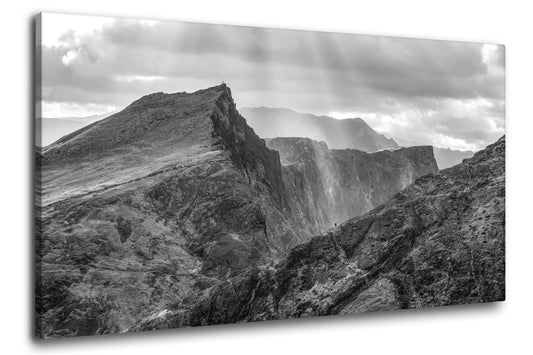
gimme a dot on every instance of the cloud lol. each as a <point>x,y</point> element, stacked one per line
<point>460,124</point>
<point>382,78</point>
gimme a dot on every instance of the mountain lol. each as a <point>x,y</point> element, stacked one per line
<point>447,157</point>
<point>438,242</point>
<point>142,213</point>
<point>351,133</point>
<point>48,130</point>
<point>337,134</point>
<point>326,187</point>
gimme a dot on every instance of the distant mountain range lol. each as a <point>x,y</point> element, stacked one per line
<point>337,134</point>
<point>352,133</point>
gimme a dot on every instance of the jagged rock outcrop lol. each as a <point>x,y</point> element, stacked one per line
<point>326,187</point>
<point>438,242</point>
<point>353,133</point>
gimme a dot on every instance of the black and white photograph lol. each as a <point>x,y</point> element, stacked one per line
<point>266,177</point>
<point>193,174</point>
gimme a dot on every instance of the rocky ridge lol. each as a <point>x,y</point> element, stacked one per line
<point>438,242</point>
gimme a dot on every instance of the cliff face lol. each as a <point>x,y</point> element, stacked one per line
<point>326,187</point>
<point>351,133</point>
<point>438,242</point>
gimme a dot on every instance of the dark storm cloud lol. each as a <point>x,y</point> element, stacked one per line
<point>306,71</point>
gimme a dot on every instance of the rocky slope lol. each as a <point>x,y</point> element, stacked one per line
<point>326,187</point>
<point>438,242</point>
<point>351,133</point>
<point>141,213</point>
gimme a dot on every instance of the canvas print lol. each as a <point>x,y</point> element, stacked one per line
<point>199,174</point>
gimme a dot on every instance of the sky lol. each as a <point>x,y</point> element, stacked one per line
<point>447,94</point>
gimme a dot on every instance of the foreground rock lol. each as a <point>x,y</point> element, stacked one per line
<point>438,242</point>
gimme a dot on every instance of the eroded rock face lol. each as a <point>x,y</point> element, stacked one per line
<point>438,242</point>
<point>326,187</point>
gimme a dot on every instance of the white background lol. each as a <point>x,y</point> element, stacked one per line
<point>488,329</point>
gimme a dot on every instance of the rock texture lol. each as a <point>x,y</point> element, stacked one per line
<point>326,187</point>
<point>351,133</point>
<point>438,242</point>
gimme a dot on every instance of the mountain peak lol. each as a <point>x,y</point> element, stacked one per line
<point>151,120</point>
<point>160,131</point>
<point>159,99</point>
